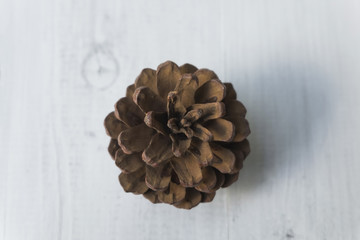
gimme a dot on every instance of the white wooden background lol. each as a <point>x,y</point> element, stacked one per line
<point>295,65</point>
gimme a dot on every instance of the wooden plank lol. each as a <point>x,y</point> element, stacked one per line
<point>294,64</point>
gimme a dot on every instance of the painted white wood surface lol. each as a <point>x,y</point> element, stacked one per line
<point>295,65</point>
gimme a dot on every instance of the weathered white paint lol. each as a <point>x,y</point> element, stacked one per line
<point>295,65</point>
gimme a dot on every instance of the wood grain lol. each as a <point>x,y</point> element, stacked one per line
<point>294,64</point>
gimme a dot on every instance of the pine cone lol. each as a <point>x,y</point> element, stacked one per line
<point>178,135</point>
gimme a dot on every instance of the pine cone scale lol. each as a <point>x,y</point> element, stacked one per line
<point>168,74</point>
<point>134,182</point>
<point>157,121</point>
<point>187,68</point>
<point>158,178</point>
<point>242,129</point>
<point>113,147</point>
<point>210,110</point>
<point>148,101</point>
<point>202,151</point>
<point>211,91</point>
<point>130,91</point>
<point>128,162</point>
<point>174,193</point>
<point>187,170</point>
<point>204,75</point>
<point>113,125</point>
<point>202,133</point>
<point>224,158</point>
<point>135,139</point>
<point>158,150</point>
<point>192,199</point>
<point>207,197</point>
<point>180,144</point>
<point>222,130</point>
<point>147,78</point>
<point>128,112</point>
<point>209,180</point>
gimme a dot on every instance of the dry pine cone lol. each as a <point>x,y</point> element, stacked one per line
<point>178,135</point>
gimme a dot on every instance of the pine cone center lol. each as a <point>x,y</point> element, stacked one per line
<point>181,124</point>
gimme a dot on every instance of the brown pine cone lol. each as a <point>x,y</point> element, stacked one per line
<point>178,135</point>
